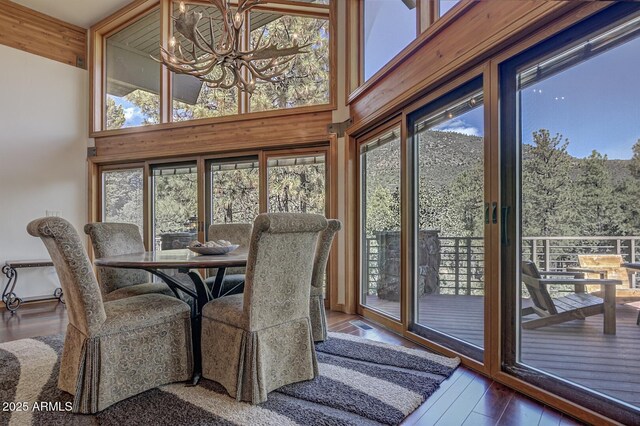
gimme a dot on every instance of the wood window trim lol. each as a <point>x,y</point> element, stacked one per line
<point>99,32</point>
<point>428,25</point>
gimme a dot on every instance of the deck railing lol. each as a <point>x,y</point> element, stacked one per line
<point>462,258</point>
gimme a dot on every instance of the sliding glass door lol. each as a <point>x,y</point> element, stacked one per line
<point>174,207</point>
<point>380,239</point>
<point>571,152</point>
<point>447,142</point>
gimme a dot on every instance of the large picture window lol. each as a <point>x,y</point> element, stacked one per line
<point>131,95</point>
<point>381,19</point>
<point>307,80</point>
<point>192,99</point>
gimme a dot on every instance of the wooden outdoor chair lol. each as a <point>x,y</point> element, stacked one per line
<point>577,305</point>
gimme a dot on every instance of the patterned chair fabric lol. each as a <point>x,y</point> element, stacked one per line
<point>316,302</point>
<point>112,350</point>
<point>114,239</point>
<point>256,342</point>
<point>237,233</point>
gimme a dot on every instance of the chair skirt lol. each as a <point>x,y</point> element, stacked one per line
<point>100,371</point>
<point>317,315</point>
<point>250,364</point>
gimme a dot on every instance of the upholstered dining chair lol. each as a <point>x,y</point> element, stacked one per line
<point>114,239</point>
<point>316,302</point>
<point>112,350</point>
<point>236,233</point>
<point>256,342</point>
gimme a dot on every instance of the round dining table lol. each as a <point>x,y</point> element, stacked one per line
<point>185,261</point>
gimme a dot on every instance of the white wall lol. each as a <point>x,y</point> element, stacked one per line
<point>43,149</point>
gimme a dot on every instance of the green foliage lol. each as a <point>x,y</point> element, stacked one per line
<point>383,207</point>
<point>123,197</point>
<point>235,195</point>
<point>306,81</point>
<point>115,114</point>
<point>175,202</point>
<point>561,195</point>
<point>297,188</point>
<point>149,104</point>
<point>210,103</point>
<point>598,206</point>
<point>548,195</point>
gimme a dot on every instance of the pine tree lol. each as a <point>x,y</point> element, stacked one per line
<point>115,114</point>
<point>598,207</point>
<point>548,192</point>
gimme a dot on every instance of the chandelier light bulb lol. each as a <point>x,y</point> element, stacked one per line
<point>172,42</point>
<point>183,8</point>
<point>237,20</point>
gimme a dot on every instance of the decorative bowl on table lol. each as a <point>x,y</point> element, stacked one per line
<point>212,247</point>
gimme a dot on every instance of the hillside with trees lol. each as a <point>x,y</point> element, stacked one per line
<point>561,195</point>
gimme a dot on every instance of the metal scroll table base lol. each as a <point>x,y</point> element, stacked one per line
<point>10,269</point>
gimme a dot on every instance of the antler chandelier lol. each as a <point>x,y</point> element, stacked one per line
<point>221,62</point>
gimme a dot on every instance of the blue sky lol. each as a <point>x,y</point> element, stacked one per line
<point>596,104</point>
<point>132,113</point>
<point>470,123</point>
<point>389,27</point>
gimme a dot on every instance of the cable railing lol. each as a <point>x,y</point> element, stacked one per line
<point>461,269</point>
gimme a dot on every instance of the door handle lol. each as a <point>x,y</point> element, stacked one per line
<point>494,212</point>
<point>486,213</point>
<point>505,225</point>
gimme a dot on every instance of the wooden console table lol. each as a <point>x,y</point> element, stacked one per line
<point>9,297</point>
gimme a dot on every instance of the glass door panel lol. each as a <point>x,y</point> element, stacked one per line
<point>448,144</point>
<point>297,184</point>
<point>123,196</point>
<point>233,186</point>
<point>174,205</point>
<point>380,223</point>
<point>574,112</point>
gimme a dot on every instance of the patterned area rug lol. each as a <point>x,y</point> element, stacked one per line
<point>361,382</point>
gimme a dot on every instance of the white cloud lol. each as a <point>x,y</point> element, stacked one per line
<point>129,113</point>
<point>458,126</point>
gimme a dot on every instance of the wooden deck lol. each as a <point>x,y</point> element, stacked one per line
<point>575,350</point>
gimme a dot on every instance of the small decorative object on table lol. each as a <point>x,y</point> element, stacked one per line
<point>213,247</point>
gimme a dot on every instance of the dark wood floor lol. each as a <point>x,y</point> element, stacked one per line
<point>466,398</point>
<point>574,350</point>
